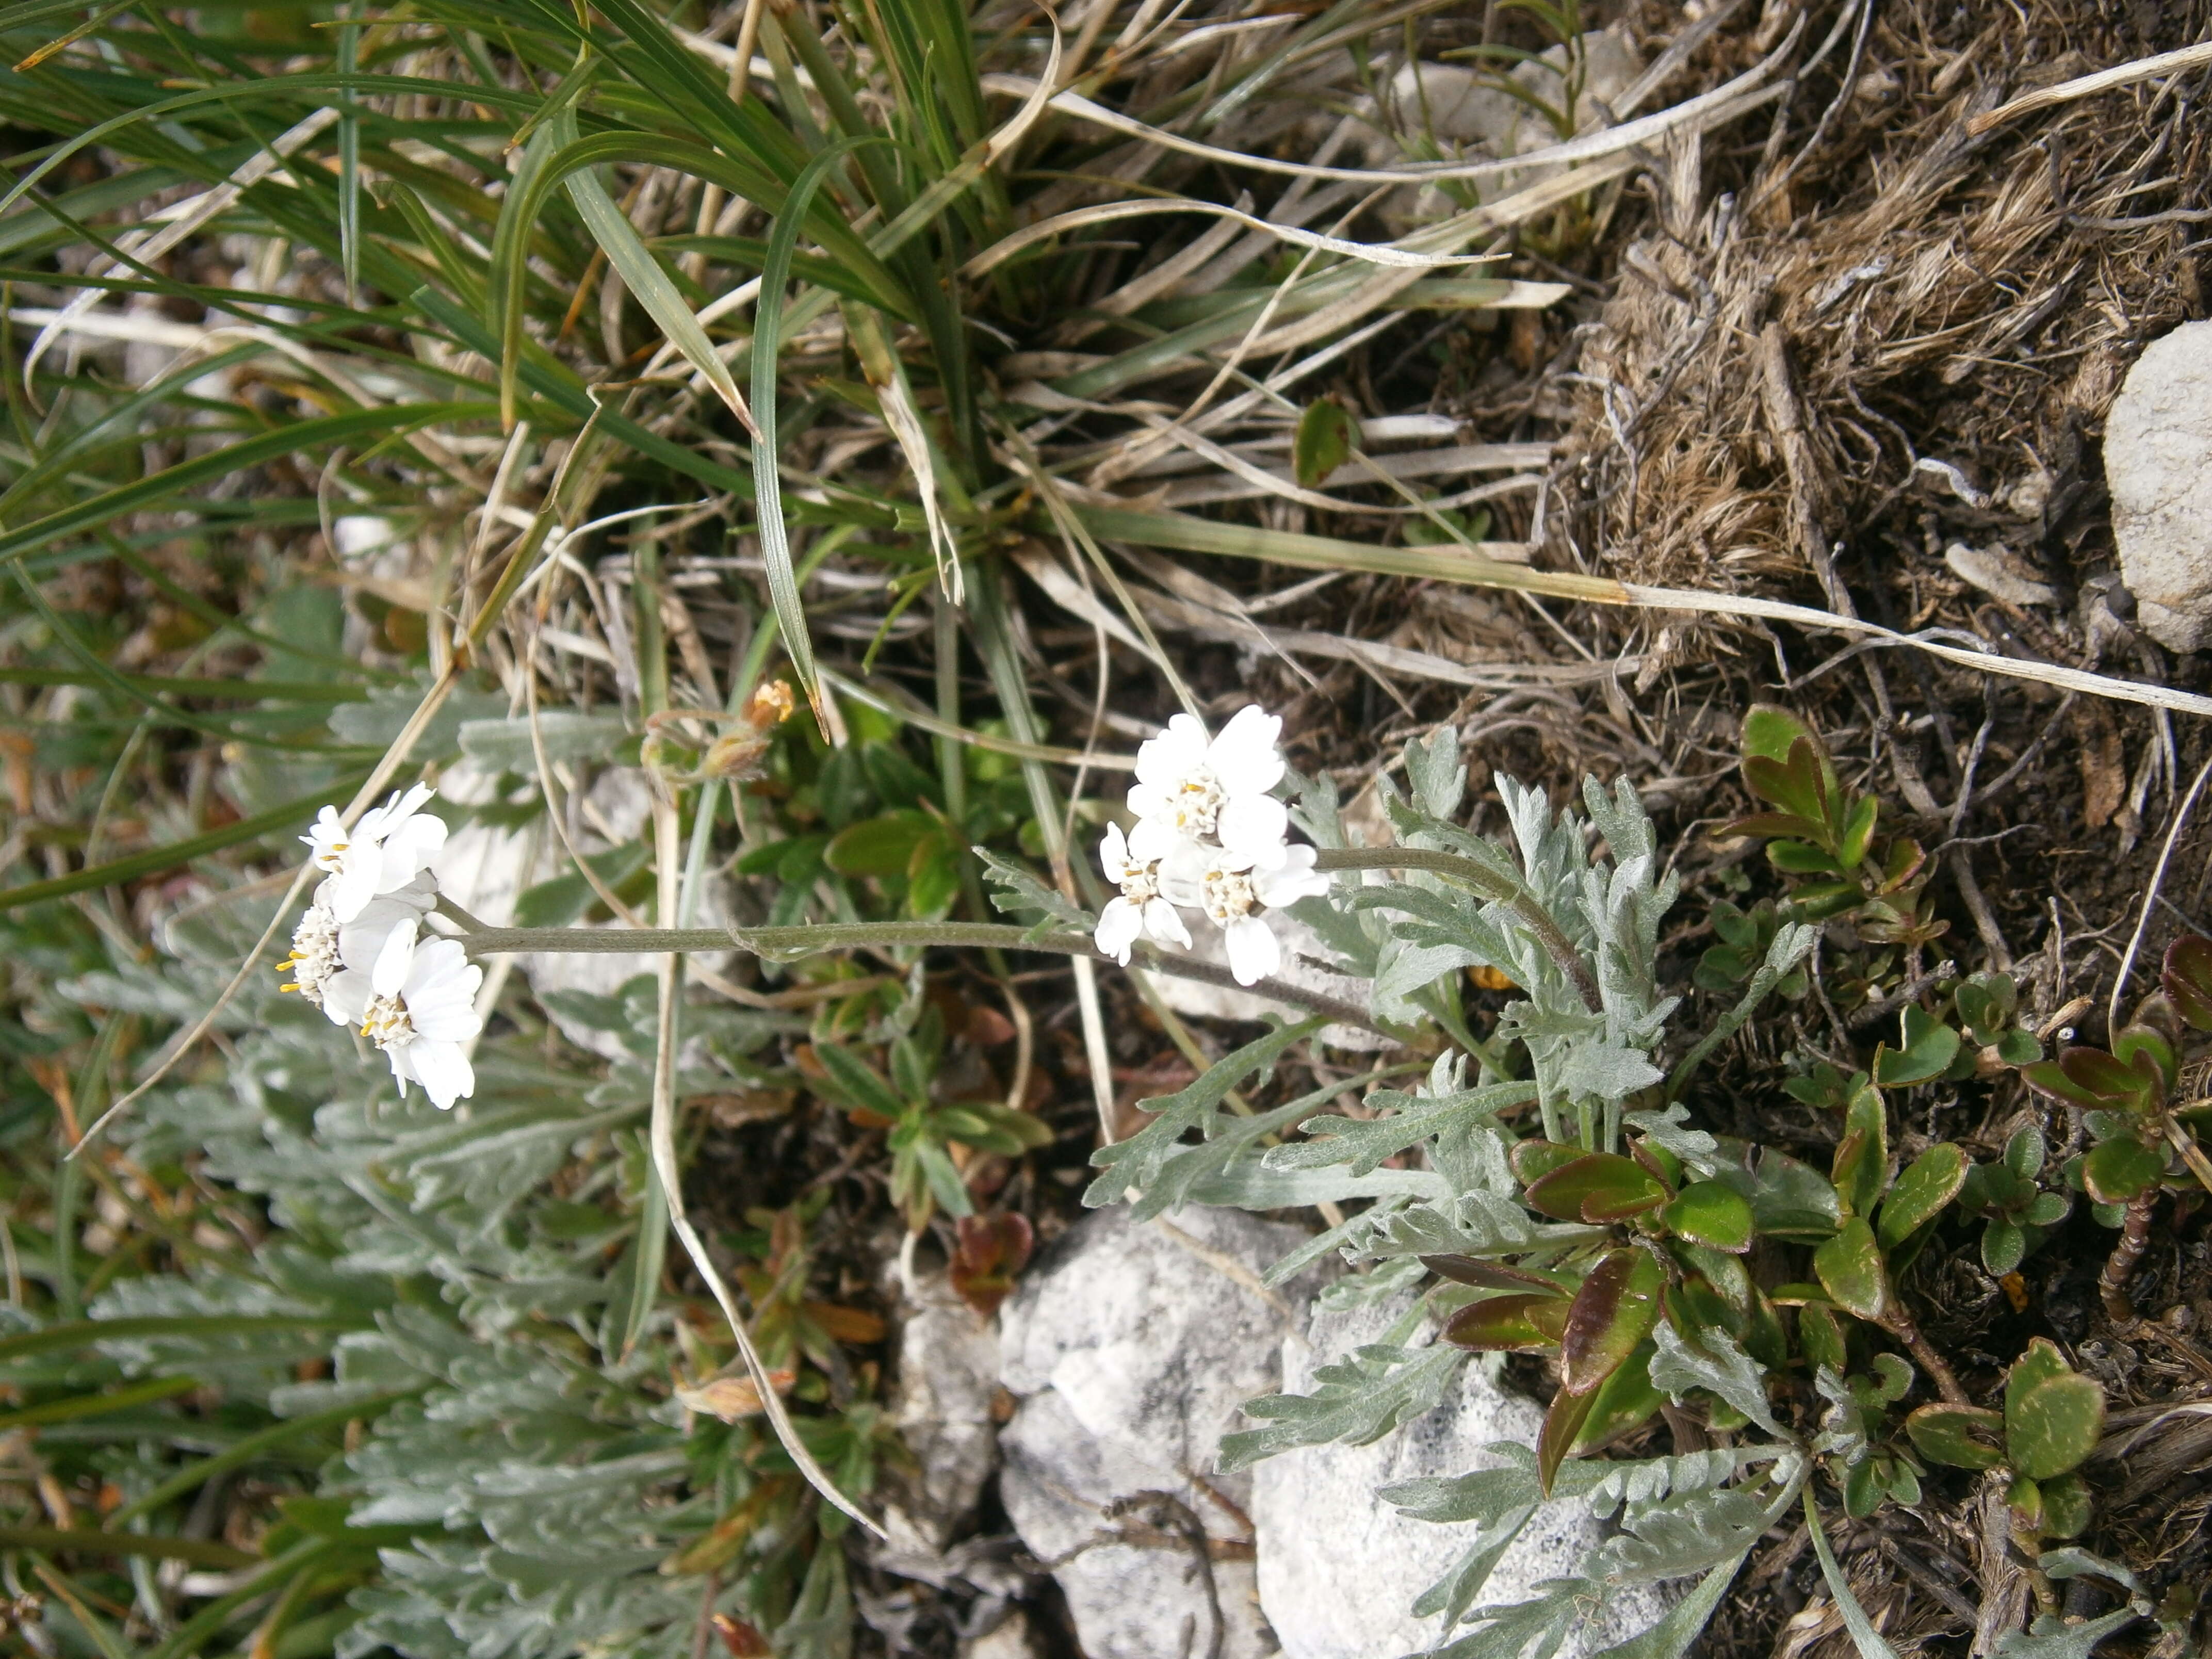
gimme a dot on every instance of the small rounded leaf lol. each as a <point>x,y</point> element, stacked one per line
<point>1851,1270</point>
<point>1711,1214</point>
<point>1963,1437</point>
<point>2121,1168</point>
<point>2188,980</point>
<point>2003,1245</point>
<point>2053,1415</point>
<point>2067,1509</point>
<point>1930,1182</point>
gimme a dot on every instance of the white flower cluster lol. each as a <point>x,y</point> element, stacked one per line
<point>360,954</point>
<point>1209,837</point>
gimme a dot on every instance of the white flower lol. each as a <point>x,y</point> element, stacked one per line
<point>374,950</point>
<point>1189,788</point>
<point>390,847</point>
<point>1140,909</point>
<point>424,1023</point>
<point>1233,891</point>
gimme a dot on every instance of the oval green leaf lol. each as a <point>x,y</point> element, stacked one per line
<point>1519,1323</point>
<point>2122,1169</point>
<point>1851,1270</point>
<point>1597,1188</point>
<point>2053,1415</point>
<point>1614,1310</point>
<point>1930,1182</point>
<point>1711,1214</point>
<point>1962,1436</point>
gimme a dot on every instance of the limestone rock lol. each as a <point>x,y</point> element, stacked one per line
<point>1130,1350</point>
<point>1339,1571</point>
<point>948,1381</point>
<point>2158,463</point>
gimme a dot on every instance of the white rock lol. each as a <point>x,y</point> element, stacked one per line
<point>948,1379</point>
<point>2158,463</point>
<point>2000,572</point>
<point>1010,1638</point>
<point>1340,1570</point>
<point>1130,1352</point>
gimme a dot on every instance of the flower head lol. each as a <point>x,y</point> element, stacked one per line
<point>1190,787</point>
<point>424,1023</point>
<point>374,949</point>
<point>314,960</point>
<point>1233,892</point>
<point>1141,908</point>
<point>390,847</point>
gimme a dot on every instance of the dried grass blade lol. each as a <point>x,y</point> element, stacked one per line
<point>2087,86</point>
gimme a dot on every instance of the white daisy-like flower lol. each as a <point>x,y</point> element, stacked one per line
<point>374,949</point>
<point>1233,892</point>
<point>1191,788</point>
<point>1141,908</point>
<point>314,960</point>
<point>390,847</point>
<point>423,1026</point>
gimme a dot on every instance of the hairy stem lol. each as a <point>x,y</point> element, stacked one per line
<point>787,944</point>
<point>1512,895</point>
<point>1899,1325</point>
<point>2120,1266</point>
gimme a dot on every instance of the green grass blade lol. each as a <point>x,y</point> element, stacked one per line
<point>154,859</point>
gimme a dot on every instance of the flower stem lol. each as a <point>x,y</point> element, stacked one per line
<point>1488,883</point>
<point>789,943</point>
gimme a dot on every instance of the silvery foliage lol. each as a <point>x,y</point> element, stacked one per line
<point>533,1479</point>
<point>1410,936</point>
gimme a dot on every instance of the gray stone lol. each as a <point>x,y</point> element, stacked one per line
<point>948,1381</point>
<point>1130,1347</point>
<point>2158,463</point>
<point>1339,1571</point>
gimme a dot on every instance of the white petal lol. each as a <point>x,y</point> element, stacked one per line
<point>1182,872</point>
<point>450,1019</point>
<point>1163,925</point>
<point>345,996</point>
<point>1165,760</point>
<point>1114,854</point>
<point>1118,925</point>
<point>1254,826</point>
<point>443,1070</point>
<point>355,882</point>
<point>1148,800</point>
<point>1153,840</point>
<point>409,848</point>
<point>1244,756</point>
<point>1253,952</point>
<point>389,974</point>
<point>1293,879</point>
<point>326,836</point>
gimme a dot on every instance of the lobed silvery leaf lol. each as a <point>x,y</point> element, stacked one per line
<point>1136,1162</point>
<point>1358,1401</point>
<point>1451,1596</point>
<point>1683,1534</point>
<point>1365,1143</point>
<point>1385,1284</point>
<point>1525,1630</point>
<point>2052,1637</point>
<point>1437,775</point>
<point>1015,892</point>
<point>1601,1070</point>
<point>1669,1127</point>
<point>1716,1362</point>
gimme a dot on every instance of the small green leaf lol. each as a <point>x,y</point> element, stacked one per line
<point>2136,1046</point>
<point>2019,1047</point>
<point>1534,1159</point>
<point>2121,1168</point>
<point>2188,980</point>
<point>1770,731</point>
<point>1930,1182</point>
<point>2024,1154</point>
<point>1960,1437</point>
<point>1563,1425</point>
<point>2067,1509</point>
<point>1711,1213</point>
<point>2053,1415</point>
<point>1518,1323</point>
<point>881,846</point>
<point>1625,1401</point>
<point>1597,1188</point>
<point>1323,442</point>
<point>2004,1244</point>
<point>1614,1310</point>
<point>1820,1336</point>
<point>1858,832</point>
<point>1929,1048</point>
<point>1851,1270</point>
